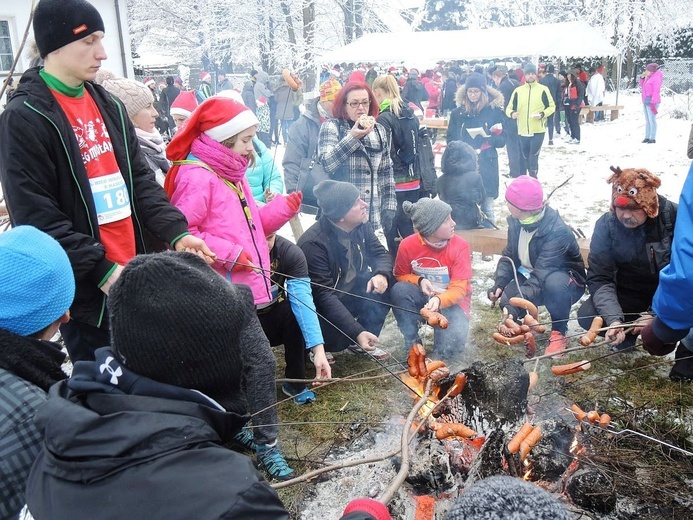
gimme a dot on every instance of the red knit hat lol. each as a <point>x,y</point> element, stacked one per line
<point>184,104</point>
<point>374,508</point>
<point>525,193</point>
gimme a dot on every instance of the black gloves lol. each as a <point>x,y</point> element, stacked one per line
<point>387,219</point>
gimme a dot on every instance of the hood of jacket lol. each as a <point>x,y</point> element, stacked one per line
<point>262,77</point>
<point>495,97</point>
<point>311,112</point>
<point>92,433</point>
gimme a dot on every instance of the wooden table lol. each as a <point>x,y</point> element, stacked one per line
<point>493,241</point>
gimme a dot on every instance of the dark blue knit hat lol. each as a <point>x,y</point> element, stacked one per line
<point>37,285</point>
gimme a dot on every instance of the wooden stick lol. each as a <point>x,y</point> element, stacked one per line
<point>347,464</point>
<point>573,349</point>
<point>389,493</point>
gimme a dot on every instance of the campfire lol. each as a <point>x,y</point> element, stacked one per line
<point>475,425</point>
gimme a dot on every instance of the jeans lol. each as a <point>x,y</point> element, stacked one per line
<point>574,122</point>
<point>487,208</point>
<point>530,147</point>
<point>512,146</point>
<point>650,122</point>
<point>559,291</point>
<point>599,116</point>
<point>286,124</point>
<point>448,344</point>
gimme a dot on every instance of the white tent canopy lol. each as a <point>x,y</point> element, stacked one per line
<point>568,39</point>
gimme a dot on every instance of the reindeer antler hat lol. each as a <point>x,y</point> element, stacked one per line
<point>634,188</point>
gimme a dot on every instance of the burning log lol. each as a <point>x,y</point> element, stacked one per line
<point>430,467</point>
<point>489,462</point>
<point>592,490</point>
<point>498,391</point>
<point>551,456</point>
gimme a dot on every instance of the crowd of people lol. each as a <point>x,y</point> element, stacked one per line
<point>161,267</point>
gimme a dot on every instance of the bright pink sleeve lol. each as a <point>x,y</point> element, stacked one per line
<point>192,196</point>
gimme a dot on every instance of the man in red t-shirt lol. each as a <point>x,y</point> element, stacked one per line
<point>71,166</point>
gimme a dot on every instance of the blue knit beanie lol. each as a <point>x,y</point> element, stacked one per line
<point>37,284</point>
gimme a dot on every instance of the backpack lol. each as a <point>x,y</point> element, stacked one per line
<point>425,164</point>
<point>407,136</point>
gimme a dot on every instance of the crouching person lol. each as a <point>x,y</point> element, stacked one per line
<point>36,290</point>
<point>433,270</point>
<point>343,253</point>
<point>143,425</point>
<point>550,268</point>
<point>290,318</point>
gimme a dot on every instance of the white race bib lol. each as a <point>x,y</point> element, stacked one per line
<point>438,276</point>
<point>111,198</point>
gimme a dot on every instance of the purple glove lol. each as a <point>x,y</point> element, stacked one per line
<point>653,107</point>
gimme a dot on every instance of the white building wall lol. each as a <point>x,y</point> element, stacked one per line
<point>116,42</point>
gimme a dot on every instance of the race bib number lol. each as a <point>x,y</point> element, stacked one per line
<point>438,276</point>
<point>111,198</point>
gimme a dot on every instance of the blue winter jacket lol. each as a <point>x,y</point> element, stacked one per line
<point>265,173</point>
<point>672,302</point>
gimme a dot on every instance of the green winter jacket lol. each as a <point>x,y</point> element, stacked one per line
<point>526,100</point>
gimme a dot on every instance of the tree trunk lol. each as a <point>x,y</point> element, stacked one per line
<point>289,22</point>
<point>308,42</point>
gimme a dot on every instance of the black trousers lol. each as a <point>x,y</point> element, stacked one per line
<point>370,315</point>
<point>281,328</point>
<point>402,226</point>
<point>559,292</point>
<point>530,147</point>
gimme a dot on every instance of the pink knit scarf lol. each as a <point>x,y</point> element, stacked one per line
<point>225,162</point>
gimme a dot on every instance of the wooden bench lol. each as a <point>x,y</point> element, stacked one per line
<point>588,112</point>
<point>492,241</point>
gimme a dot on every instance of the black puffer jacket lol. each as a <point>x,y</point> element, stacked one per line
<point>461,185</point>
<point>46,185</point>
<point>153,453</point>
<point>552,248</point>
<point>327,265</point>
<point>624,264</point>
<point>489,116</point>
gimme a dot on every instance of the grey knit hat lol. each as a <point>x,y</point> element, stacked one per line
<point>504,498</point>
<point>176,321</point>
<point>134,95</point>
<point>427,214</point>
<point>335,198</point>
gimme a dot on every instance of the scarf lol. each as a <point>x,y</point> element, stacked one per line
<point>34,360</point>
<point>153,138</point>
<point>226,163</point>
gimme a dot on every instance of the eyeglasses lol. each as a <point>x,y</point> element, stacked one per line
<point>356,104</point>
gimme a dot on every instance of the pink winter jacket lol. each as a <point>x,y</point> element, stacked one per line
<point>215,214</point>
<point>651,87</point>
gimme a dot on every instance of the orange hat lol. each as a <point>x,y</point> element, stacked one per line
<point>329,90</point>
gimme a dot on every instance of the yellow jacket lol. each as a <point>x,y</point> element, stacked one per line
<point>527,100</point>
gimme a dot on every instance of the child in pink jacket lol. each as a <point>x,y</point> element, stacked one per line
<point>207,182</point>
<point>211,153</point>
<point>651,84</point>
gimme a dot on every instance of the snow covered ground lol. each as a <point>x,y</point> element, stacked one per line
<point>612,143</point>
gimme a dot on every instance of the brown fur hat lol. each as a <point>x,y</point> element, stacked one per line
<point>634,188</point>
